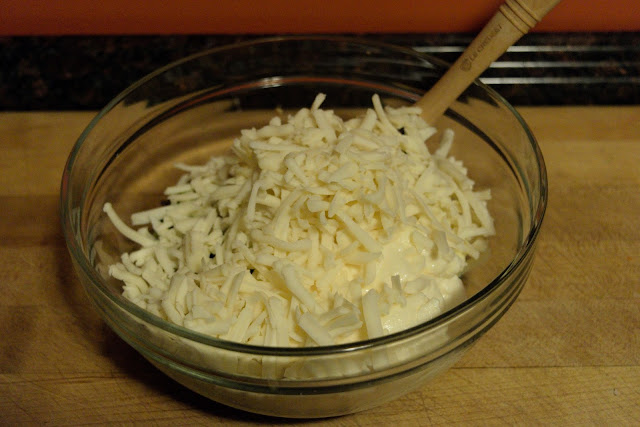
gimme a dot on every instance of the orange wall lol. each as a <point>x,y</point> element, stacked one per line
<point>54,17</point>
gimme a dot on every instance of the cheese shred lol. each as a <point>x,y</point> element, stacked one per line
<point>312,230</point>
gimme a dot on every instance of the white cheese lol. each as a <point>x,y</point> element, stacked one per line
<point>311,231</point>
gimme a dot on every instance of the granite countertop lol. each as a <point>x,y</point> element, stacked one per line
<point>85,72</point>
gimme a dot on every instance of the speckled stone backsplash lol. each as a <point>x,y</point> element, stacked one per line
<point>84,73</point>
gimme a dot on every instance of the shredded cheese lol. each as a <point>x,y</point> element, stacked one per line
<point>314,231</point>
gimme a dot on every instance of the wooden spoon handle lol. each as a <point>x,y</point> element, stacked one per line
<point>513,19</point>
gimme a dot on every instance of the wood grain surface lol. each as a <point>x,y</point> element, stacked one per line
<point>568,351</point>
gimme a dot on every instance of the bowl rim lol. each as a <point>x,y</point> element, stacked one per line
<point>81,261</point>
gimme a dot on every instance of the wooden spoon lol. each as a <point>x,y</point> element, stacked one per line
<point>513,19</point>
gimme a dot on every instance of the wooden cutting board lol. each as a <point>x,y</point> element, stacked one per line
<point>568,351</point>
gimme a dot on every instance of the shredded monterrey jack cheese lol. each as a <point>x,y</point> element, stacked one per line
<point>311,232</point>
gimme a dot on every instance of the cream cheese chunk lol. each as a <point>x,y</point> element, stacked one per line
<point>311,231</point>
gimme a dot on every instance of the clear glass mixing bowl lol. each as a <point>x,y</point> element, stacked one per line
<point>192,109</point>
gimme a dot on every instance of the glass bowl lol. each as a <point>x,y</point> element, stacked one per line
<point>191,110</point>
